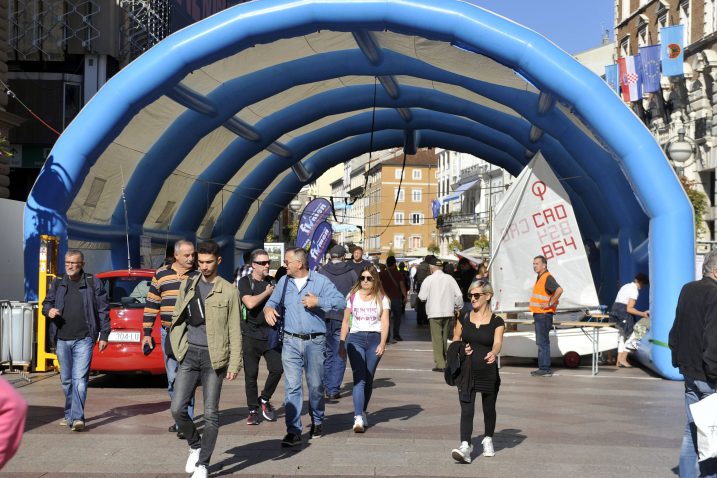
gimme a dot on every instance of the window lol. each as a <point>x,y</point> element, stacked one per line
<point>709,17</point>
<point>416,174</point>
<point>398,218</point>
<point>416,195</point>
<point>416,242</point>
<point>417,218</point>
<point>625,4</point>
<point>685,20</point>
<point>642,35</point>
<point>625,47</point>
<point>398,173</point>
<point>401,194</point>
<point>398,241</point>
<point>661,22</point>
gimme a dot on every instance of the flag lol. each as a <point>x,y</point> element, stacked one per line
<point>650,59</point>
<point>630,78</point>
<point>612,77</point>
<point>671,48</point>
<point>435,207</point>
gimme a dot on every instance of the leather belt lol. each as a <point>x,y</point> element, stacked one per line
<point>306,336</point>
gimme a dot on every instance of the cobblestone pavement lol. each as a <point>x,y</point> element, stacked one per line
<point>621,422</point>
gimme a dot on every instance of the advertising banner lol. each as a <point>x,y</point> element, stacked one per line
<point>314,214</point>
<point>319,243</point>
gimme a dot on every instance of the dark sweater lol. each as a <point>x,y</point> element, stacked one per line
<point>693,338</point>
<point>343,277</point>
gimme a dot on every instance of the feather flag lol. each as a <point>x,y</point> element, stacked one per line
<point>672,52</point>
<point>630,78</point>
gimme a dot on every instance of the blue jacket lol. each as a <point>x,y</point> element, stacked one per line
<point>95,305</point>
<point>298,319</point>
<point>343,277</point>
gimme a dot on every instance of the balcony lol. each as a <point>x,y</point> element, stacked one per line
<point>455,220</point>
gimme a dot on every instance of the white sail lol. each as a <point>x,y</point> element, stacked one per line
<point>535,217</point>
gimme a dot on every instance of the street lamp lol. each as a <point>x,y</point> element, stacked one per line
<point>681,149</point>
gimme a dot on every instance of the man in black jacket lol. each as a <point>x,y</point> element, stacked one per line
<point>693,341</point>
<point>78,309</point>
<point>343,276</point>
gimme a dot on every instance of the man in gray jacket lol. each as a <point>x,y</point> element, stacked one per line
<point>343,277</point>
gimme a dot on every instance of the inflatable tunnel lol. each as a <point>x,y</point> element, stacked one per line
<point>212,132</point>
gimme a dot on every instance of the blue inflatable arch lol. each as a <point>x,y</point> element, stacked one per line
<point>204,133</point>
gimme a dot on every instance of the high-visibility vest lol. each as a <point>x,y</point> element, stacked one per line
<point>540,298</point>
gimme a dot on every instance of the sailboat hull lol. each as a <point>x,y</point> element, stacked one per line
<point>562,341</point>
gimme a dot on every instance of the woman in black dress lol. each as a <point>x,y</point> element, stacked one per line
<point>482,332</point>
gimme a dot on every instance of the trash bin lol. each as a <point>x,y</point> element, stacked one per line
<point>16,332</point>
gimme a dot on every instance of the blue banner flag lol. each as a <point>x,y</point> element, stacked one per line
<point>612,77</point>
<point>650,56</point>
<point>314,214</point>
<point>435,207</point>
<point>319,243</point>
<point>672,54</point>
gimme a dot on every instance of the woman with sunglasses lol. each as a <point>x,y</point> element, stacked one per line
<point>482,332</point>
<point>364,332</point>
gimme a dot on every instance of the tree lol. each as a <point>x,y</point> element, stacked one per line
<point>454,246</point>
<point>433,248</point>
<point>481,243</point>
<point>699,203</point>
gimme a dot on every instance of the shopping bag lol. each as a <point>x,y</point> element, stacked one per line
<point>704,414</point>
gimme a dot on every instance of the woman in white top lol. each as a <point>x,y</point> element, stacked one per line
<point>363,338</point>
<point>624,313</point>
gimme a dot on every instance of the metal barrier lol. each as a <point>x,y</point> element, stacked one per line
<point>17,333</point>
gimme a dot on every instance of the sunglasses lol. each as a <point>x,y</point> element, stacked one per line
<point>477,296</point>
<point>368,278</point>
<point>262,263</point>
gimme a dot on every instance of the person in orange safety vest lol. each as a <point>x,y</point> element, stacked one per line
<point>543,304</point>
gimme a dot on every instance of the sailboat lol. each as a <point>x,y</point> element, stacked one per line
<point>536,217</point>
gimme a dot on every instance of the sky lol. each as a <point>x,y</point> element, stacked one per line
<point>573,25</point>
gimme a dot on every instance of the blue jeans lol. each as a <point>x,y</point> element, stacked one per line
<point>335,366</point>
<point>394,328</point>
<point>197,368</point>
<point>695,390</point>
<point>74,357</point>
<point>171,366</point>
<point>543,325</point>
<point>299,355</point>
<point>361,350</point>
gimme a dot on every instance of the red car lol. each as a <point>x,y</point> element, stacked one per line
<point>127,292</point>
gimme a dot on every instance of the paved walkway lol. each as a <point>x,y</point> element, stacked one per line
<point>622,422</point>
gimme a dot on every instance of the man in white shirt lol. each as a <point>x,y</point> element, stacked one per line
<point>443,297</point>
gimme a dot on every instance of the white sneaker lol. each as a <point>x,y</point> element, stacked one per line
<point>359,426</point>
<point>192,461</point>
<point>200,472</point>
<point>365,419</point>
<point>488,446</point>
<point>462,453</point>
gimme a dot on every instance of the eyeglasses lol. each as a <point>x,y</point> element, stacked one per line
<point>477,296</point>
<point>262,263</point>
<point>367,278</point>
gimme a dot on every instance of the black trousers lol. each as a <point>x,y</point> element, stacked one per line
<point>253,351</point>
<point>468,411</point>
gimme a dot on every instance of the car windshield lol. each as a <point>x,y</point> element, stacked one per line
<point>129,292</point>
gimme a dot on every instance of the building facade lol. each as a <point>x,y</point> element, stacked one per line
<point>686,103</point>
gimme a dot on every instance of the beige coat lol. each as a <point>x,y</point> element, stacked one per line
<point>222,323</point>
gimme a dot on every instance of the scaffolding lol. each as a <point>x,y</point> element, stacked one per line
<point>42,29</point>
<point>146,23</point>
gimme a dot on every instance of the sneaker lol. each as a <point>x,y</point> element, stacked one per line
<point>462,453</point>
<point>365,419</point>
<point>488,446</point>
<point>253,418</point>
<point>359,426</point>
<point>291,439</point>
<point>192,460</point>
<point>200,472</point>
<point>173,429</point>
<point>541,373</point>
<point>64,422</point>
<point>317,431</point>
<point>78,426</point>
<point>267,410</point>
<point>398,338</point>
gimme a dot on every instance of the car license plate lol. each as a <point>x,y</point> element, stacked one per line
<point>121,336</point>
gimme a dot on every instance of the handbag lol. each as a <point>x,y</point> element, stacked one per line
<point>275,337</point>
<point>704,414</point>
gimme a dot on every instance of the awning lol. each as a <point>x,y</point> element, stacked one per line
<point>456,194</point>
<point>344,227</point>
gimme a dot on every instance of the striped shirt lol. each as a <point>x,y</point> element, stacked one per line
<point>162,296</point>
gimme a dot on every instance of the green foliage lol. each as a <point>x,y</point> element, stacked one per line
<point>699,203</point>
<point>433,248</point>
<point>454,246</point>
<point>481,243</point>
<point>5,149</point>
